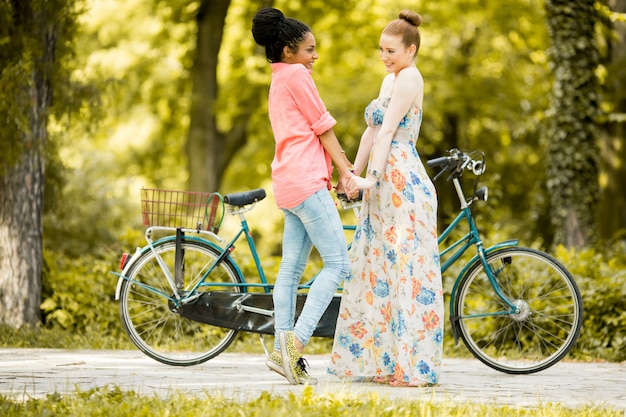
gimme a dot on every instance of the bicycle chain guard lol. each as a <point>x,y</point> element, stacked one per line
<point>220,308</point>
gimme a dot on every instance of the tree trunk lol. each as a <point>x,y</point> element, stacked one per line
<point>613,202</point>
<point>572,159</point>
<point>22,181</point>
<point>210,150</point>
<point>21,253</point>
<point>205,142</point>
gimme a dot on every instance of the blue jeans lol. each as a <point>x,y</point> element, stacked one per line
<point>314,222</point>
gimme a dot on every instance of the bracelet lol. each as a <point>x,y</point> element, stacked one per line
<point>374,173</point>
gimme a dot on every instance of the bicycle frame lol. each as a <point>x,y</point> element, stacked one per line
<point>458,249</point>
<point>224,253</point>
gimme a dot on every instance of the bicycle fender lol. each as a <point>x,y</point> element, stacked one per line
<point>119,285</point>
<point>468,266</point>
<point>138,252</point>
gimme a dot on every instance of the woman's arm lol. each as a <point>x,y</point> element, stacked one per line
<point>333,148</point>
<point>360,162</point>
<point>305,94</point>
<point>365,148</point>
<point>408,84</point>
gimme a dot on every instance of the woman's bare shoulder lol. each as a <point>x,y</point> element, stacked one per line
<point>410,73</point>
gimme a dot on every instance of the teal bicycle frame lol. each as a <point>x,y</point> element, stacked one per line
<point>224,254</point>
<point>457,249</point>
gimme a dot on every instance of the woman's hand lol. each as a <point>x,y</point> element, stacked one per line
<point>357,183</point>
<point>343,186</point>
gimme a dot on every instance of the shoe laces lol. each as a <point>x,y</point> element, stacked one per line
<point>302,365</point>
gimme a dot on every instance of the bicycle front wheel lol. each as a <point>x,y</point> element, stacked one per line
<point>548,318</point>
<point>149,316</point>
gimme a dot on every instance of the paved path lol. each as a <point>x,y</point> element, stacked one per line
<point>28,373</point>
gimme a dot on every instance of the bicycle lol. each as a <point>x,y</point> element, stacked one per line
<point>183,298</point>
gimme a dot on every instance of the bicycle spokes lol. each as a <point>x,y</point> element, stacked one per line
<point>538,327</point>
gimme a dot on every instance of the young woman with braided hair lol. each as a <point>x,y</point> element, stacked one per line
<point>306,148</point>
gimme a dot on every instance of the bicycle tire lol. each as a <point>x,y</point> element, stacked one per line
<point>545,329</point>
<point>150,322</point>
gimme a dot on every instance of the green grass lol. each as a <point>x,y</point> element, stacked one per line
<point>58,338</point>
<point>115,402</point>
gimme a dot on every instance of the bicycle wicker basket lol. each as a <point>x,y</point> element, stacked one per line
<point>182,209</point>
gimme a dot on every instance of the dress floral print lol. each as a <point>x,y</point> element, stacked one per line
<point>391,314</point>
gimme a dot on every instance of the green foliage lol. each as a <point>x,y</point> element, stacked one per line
<point>130,61</point>
<point>110,401</point>
<point>130,69</point>
<point>58,338</point>
<point>78,297</point>
<point>99,222</point>
<point>601,277</point>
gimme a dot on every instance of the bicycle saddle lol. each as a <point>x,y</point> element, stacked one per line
<point>244,198</point>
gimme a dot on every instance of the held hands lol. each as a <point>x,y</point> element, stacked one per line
<point>357,183</point>
<point>352,184</point>
<point>342,185</point>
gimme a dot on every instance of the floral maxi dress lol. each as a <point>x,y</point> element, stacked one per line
<point>391,316</point>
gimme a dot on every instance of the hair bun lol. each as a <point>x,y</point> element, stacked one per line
<point>411,17</point>
<point>265,24</point>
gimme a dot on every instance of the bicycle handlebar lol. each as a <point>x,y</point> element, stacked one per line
<point>456,162</point>
<point>437,162</point>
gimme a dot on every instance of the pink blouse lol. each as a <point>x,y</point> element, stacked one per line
<point>301,165</point>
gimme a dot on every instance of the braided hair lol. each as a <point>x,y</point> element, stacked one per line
<point>272,30</point>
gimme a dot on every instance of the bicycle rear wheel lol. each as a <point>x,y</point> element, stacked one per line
<point>152,322</point>
<point>549,318</point>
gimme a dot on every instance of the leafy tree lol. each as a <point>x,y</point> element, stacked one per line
<point>131,132</point>
<point>35,37</point>
<point>572,136</point>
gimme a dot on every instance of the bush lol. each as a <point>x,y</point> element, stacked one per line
<point>601,278</point>
<point>78,298</point>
